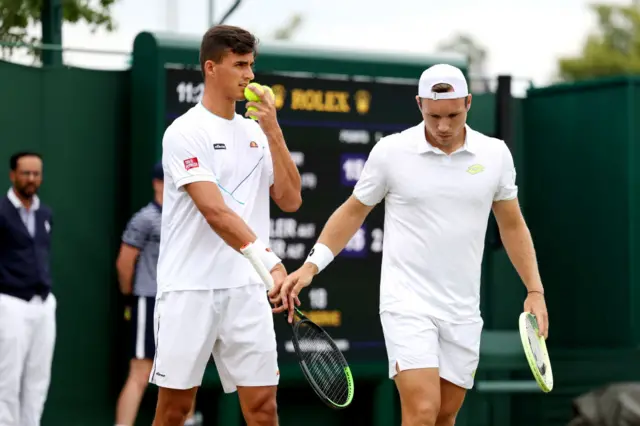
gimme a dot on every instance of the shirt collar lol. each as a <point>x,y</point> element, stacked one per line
<point>422,145</point>
<point>35,204</point>
<point>156,205</point>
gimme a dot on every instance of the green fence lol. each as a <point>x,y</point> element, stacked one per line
<point>583,209</point>
<point>79,121</point>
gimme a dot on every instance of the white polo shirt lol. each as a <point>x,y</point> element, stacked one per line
<point>436,213</point>
<point>234,154</point>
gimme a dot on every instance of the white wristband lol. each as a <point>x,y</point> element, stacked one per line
<point>268,258</point>
<point>320,255</point>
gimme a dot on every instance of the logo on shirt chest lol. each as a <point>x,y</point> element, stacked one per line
<point>219,146</point>
<point>475,169</point>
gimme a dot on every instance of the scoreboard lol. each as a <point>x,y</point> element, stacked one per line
<point>330,125</point>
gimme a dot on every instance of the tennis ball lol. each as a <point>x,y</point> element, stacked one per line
<point>250,95</point>
<point>268,90</point>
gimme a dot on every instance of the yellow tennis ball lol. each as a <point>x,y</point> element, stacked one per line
<point>253,117</point>
<point>268,90</point>
<point>250,95</point>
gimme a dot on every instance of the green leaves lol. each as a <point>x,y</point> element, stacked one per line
<point>18,15</point>
<point>613,49</point>
<point>81,10</point>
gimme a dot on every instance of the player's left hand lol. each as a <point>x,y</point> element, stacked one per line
<point>266,110</point>
<point>279,274</point>
<point>535,304</point>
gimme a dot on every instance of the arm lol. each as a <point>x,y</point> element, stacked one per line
<point>371,188</point>
<point>513,230</point>
<point>125,265</point>
<point>286,188</point>
<point>518,243</point>
<point>341,227</point>
<point>224,221</point>
<point>185,156</point>
<point>134,238</point>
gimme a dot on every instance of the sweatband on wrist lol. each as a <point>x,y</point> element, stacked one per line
<point>268,258</point>
<point>320,255</point>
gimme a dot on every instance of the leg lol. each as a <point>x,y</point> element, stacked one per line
<point>186,328</point>
<point>133,391</point>
<point>413,350</point>
<point>191,414</point>
<point>173,406</point>
<point>246,354</point>
<point>460,350</point>
<point>419,391</point>
<point>37,369</point>
<point>451,397</point>
<point>258,404</point>
<point>142,354</point>
<point>14,336</point>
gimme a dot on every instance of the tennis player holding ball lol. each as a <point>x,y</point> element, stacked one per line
<point>440,180</point>
<point>220,169</point>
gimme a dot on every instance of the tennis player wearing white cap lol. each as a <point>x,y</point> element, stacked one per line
<point>440,180</point>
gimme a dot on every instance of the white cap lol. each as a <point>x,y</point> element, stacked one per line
<point>443,73</point>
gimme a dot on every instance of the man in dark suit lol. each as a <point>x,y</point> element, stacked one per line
<point>27,306</point>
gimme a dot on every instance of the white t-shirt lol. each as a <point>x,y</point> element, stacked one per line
<point>436,213</point>
<point>234,154</point>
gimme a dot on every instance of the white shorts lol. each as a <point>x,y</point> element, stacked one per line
<point>235,325</point>
<point>419,341</point>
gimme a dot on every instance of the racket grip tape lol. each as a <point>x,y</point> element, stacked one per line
<point>253,252</point>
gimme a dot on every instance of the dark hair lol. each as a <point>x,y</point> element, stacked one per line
<point>444,88</point>
<point>13,161</point>
<point>221,39</point>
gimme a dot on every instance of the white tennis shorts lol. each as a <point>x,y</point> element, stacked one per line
<point>419,341</point>
<point>234,325</point>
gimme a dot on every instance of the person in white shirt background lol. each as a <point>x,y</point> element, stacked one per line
<point>136,265</point>
<point>28,305</point>
<point>439,180</point>
<point>220,170</point>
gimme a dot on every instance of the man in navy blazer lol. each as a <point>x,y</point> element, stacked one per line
<point>27,306</point>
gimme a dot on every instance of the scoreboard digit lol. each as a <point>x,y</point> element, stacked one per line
<point>330,125</point>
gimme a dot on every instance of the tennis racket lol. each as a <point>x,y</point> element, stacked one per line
<point>535,349</point>
<point>320,359</point>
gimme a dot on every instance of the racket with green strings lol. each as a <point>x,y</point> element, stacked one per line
<point>535,349</point>
<point>321,361</point>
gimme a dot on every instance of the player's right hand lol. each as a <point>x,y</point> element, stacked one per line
<point>293,284</point>
<point>278,273</point>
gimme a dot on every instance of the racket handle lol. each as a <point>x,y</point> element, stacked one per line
<point>250,251</point>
